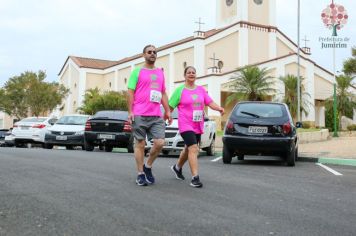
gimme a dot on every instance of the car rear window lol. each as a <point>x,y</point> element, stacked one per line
<point>119,115</point>
<point>33,119</point>
<point>72,120</point>
<point>260,110</point>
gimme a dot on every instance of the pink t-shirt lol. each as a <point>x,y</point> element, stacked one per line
<point>190,103</point>
<point>149,85</point>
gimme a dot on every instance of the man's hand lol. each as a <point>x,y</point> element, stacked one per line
<point>131,118</point>
<point>168,116</point>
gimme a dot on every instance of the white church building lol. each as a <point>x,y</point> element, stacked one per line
<point>246,34</point>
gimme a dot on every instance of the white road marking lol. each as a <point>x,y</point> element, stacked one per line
<point>329,169</point>
<point>216,159</point>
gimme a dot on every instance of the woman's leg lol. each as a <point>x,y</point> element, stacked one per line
<point>183,157</point>
<point>193,151</point>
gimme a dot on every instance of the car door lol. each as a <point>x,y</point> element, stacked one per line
<point>204,141</point>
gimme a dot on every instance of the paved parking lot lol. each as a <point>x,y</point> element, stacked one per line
<point>73,192</point>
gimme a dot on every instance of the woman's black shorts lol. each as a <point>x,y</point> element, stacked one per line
<point>190,138</point>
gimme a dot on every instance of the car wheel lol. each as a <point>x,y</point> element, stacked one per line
<point>165,152</point>
<point>240,157</point>
<point>108,148</point>
<point>210,151</point>
<point>47,146</point>
<point>88,147</point>
<point>227,155</point>
<point>69,147</point>
<point>101,147</point>
<point>290,157</point>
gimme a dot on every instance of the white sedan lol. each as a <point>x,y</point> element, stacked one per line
<point>31,130</point>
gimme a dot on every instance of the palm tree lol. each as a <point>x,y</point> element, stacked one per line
<point>291,97</point>
<point>251,83</point>
<point>345,100</point>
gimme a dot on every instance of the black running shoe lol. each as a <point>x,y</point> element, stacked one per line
<point>141,180</point>
<point>196,182</point>
<point>178,173</point>
<point>149,176</point>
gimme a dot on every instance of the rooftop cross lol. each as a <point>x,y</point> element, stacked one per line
<point>305,41</point>
<point>199,23</point>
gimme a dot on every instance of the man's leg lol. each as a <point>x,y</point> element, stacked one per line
<point>139,154</point>
<point>155,150</point>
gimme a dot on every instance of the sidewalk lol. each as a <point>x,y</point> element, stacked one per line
<point>340,150</point>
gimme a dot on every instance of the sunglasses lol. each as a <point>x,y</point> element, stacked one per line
<point>151,52</point>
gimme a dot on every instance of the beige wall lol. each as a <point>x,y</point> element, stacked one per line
<point>292,69</point>
<point>282,49</point>
<point>257,46</point>
<point>226,50</point>
<point>258,13</point>
<point>181,57</point>
<point>227,12</point>
<point>94,80</point>
<point>6,121</point>
<point>109,81</point>
<point>74,87</point>
<point>124,75</point>
<point>163,62</point>
<point>64,78</point>
<point>323,88</point>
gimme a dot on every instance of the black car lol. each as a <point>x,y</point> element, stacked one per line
<point>108,129</point>
<point>260,128</point>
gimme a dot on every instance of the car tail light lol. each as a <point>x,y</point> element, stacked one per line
<point>87,126</point>
<point>39,126</point>
<point>127,127</point>
<point>15,126</point>
<point>286,128</point>
<point>229,127</point>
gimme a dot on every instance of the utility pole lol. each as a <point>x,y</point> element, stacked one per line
<point>298,70</point>
<point>335,114</point>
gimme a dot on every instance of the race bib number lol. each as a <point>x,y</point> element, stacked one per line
<point>155,96</point>
<point>197,116</point>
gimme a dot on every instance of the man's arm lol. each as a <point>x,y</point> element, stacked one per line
<point>130,99</point>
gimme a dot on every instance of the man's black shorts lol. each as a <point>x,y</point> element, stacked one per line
<point>190,138</point>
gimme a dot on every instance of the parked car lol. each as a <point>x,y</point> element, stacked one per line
<point>31,130</point>
<point>9,139</point>
<point>68,131</point>
<point>260,128</point>
<point>108,129</point>
<point>3,133</point>
<point>174,142</point>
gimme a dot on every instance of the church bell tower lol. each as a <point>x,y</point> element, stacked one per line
<point>254,11</point>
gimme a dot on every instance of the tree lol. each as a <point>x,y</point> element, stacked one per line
<point>251,83</point>
<point>94,101</point>
<point>345,100</point>
<point>29,94</point>
<point>350,64</point>
<point>291,95</point>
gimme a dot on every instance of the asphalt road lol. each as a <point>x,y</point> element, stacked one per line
<point>73,192</point>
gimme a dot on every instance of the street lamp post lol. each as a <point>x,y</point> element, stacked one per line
<point>298,62</point>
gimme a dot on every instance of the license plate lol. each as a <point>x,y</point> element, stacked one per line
<point>25,127</point>
<point>61,137</point>
<point>257,129</point>
<point>106,136</point>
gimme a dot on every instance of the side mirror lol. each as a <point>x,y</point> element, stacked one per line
<point>298,124</point>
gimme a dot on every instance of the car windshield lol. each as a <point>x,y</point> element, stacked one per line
<point>34,119</point>
<point>174,113</point>
<point>117,115</point>
<point>259,110</point>
<point>72,120</point>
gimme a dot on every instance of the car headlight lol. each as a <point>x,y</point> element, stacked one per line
<point>79,132</point>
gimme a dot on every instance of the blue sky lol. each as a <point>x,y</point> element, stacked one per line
<point>40,34</point>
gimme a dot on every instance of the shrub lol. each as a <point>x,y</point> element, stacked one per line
<point>329,116</point>
<point>351,127</point>
<point>306,125</point>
